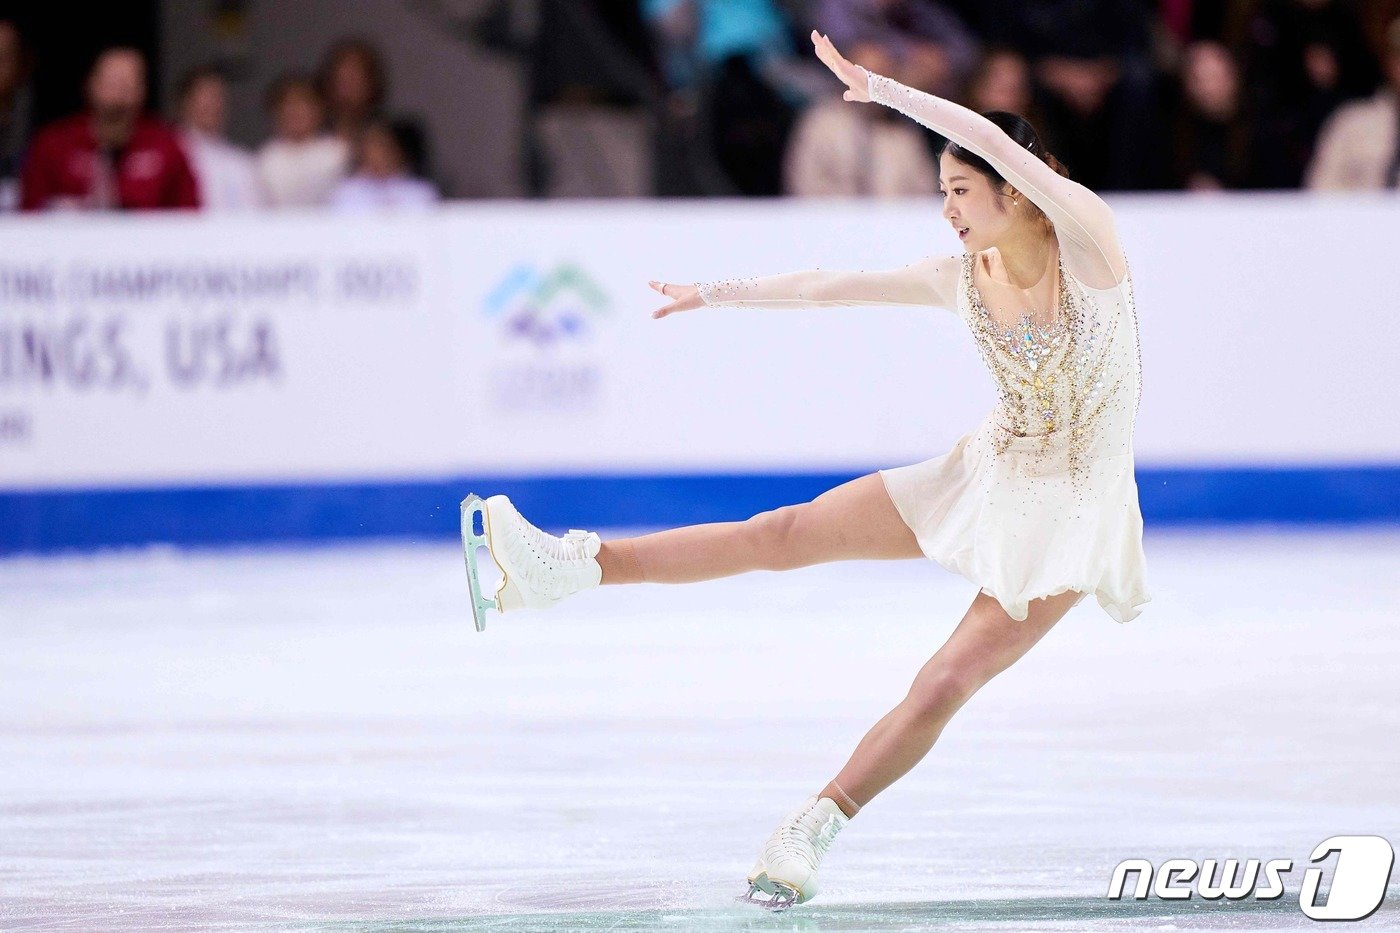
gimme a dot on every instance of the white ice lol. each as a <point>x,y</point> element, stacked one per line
<point>319,739</point>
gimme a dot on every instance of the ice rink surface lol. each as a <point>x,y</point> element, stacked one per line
<point>319,739</point>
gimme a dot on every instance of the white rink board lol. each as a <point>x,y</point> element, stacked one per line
<point>395,348</point>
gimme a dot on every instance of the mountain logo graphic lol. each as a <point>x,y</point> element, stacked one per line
<point>544,308</point>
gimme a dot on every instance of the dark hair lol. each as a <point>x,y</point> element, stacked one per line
<point>369,57</point>
<point>409,139</point>
<point>288,84</point>
<point>1019,129</point>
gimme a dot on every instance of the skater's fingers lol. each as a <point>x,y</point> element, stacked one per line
<point>683,298</point>
<point>659,313</point>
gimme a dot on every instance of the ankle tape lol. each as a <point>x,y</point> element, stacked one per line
<point>846,798</point>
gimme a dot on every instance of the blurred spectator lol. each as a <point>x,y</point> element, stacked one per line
<point>1360,143</point>
<point>1213,147</point>
<point>728,59</point>
<point>16,102</point>
<point>1303,59</point>
<point>389,162</point>
<point>112,155</point>
<point>593,99</point>
<point>1095,83</point>
<point>931,48</point>
<point>226,174</point>
<point>1001,81</point>
<point>841,149</point>
<point>699,35</point>
<point>354,85</point>
<point>302,164</point>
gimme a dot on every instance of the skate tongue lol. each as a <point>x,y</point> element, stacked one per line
<point>592,544</point>
<point>829,809</point>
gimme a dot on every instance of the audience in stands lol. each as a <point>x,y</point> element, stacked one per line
<point>1177,94</point>
<point>1001,81</point>
<point>1212,146</point>
<point>930,46</point>
<point>838,150</point>
<point>1360,143</point>
<point>227,175</point>
<point>111,156</point>
<point>16,104</point>
<point>302,164</point>
<point>388,171</point>
<point>354,85</point>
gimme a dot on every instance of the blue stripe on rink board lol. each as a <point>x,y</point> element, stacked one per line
<point>59,520</point>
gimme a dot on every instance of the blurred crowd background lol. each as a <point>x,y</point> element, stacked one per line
<point>396,104</point>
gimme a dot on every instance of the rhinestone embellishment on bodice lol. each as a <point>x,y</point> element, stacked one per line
<point>1051,378</point>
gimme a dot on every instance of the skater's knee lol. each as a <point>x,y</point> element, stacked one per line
<point>941,690</point>
<point>772,535</point>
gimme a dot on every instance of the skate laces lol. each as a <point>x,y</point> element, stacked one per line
<point>553,564</point>
<point>803,838</point>
<point>568,548</point>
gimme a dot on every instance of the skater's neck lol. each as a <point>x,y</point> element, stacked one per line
<point>1025,255</point>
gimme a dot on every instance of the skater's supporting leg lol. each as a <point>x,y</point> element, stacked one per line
<point>854,521</point>
<point>984,644</point>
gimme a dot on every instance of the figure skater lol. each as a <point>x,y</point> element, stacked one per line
<point>1038,505</point>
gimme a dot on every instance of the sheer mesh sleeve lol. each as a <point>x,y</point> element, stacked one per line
<point>1083,221</point>
<point>931,282</point>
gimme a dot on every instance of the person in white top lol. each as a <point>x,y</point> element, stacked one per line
<point>226,174</point>
<point>1037,506</point>
<point>302,164</point>
<point>841,151</point>
<point>1359,146</point>
<point>390,156</point>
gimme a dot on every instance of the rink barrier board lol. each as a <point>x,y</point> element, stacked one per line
<point>47,521</point>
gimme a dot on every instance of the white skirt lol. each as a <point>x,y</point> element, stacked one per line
<point>1020,531</point>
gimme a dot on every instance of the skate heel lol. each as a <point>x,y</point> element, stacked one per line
<point>759,877</point>
<point>475,533</point>
<point>508,596</point>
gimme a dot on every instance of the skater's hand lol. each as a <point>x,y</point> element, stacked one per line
<point>687,298</point>
<point>857,78</point>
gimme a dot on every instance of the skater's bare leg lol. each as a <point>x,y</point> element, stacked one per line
<point>986,642</point>
<point>854,521</point>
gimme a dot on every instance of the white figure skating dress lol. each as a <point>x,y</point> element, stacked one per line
<point>1041,497</point>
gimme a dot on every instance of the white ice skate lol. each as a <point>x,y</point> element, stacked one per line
<point>538,569</point>
<point>787,863</point>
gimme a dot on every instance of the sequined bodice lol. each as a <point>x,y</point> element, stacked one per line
<point>1073,383</point>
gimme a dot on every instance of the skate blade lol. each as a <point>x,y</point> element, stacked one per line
<point>474,528</point>
<point>781,899</point>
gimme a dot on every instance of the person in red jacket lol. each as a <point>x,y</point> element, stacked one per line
<point>113,155</point>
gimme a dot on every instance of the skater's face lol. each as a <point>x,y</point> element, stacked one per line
<point>980,214</point>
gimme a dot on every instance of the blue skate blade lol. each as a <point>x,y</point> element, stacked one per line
<point>473,537</point>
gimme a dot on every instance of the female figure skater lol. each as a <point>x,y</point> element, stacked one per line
<point>1038,505</point>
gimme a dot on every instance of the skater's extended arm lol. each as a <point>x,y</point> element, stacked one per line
<point>926,282</point>
<point>1083,220</point>
<point>930,282</point>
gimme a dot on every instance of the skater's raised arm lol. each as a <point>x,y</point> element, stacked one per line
<point>1083,220</point>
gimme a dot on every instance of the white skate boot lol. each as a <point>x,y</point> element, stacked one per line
<point>538,569</point>
<point>787,863</point>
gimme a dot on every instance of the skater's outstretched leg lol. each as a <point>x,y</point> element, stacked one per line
<point>854,521</point>
<point>986,642</point>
